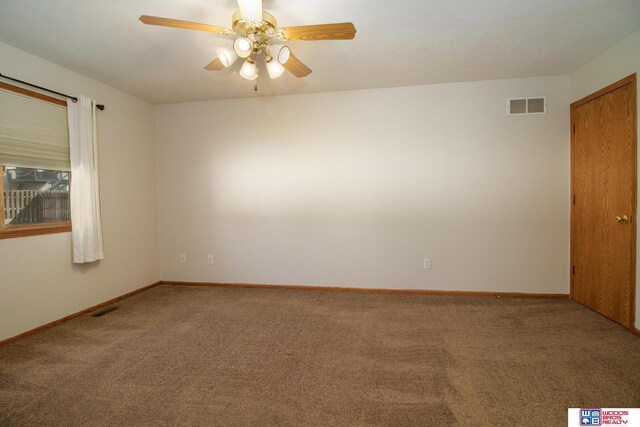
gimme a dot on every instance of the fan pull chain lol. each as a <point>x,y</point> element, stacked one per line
<point>255,86</point>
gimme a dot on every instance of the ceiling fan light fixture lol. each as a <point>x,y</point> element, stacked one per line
<point>249,71</point>
<point>242,47</point>
<point>274,68</point>
<point>256,32</point>
<point>227,58</point>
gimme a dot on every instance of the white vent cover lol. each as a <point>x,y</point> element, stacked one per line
<point>525,106</point>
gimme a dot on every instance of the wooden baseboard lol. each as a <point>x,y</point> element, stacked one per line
<point>369,290</point>
<point>75,315</point>
<point>635,331</point>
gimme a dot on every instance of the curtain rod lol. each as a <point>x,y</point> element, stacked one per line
<point>73,98</point>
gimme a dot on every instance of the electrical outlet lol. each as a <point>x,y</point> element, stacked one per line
<point>183,259</point>
<point>427,263</point>
<point>210,259</point>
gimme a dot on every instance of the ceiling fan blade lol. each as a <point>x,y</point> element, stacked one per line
<point>174,23</point>
<point>341,31</point>
<point>215,65</point>
<point>296,67</point>
<point>251,10</point>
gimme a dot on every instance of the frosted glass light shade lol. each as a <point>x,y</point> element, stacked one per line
<point>274,68</point>
<point>274,49</point>
<point>227,57</point>
<point>249,70</point>
<point>242,47</point>
<point>284,55</point>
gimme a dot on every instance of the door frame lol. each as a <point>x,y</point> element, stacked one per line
<point>630,80</point>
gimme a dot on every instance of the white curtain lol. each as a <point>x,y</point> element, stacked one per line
<point>86,224</point>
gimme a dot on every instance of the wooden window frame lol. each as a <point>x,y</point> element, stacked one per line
<point>24,230</point>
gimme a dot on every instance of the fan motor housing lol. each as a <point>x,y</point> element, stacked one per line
<point>241,26</point>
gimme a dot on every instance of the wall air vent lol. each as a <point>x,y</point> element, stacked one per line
<point>526,106</point>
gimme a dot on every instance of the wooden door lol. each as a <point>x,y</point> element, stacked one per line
<point>603,214</point>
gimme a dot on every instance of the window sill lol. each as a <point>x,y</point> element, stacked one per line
<point>11,231</point>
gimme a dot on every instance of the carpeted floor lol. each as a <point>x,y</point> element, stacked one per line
<point>228,356</point>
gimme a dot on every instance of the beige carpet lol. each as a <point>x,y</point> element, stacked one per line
<point>221,356</point>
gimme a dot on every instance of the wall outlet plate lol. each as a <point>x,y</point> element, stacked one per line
<point>183,259</point>
<point>210,259</point>
<point>427,263</point>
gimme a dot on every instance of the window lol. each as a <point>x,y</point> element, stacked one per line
<point>34,163</point>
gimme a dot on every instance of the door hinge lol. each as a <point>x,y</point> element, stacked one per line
<point>573,269</point>
<point>574,199</point>
<point>574,128</point>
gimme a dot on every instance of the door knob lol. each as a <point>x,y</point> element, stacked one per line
<point>622,219</point>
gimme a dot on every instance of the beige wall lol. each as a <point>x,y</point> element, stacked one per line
<point>38,282</point>
<point>616,63</point>
<point>357,188</point>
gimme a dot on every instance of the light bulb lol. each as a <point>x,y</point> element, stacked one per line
<point>242,47</point>
<point>227,58</point>
<point>274,68</point>
<point>249,70</point>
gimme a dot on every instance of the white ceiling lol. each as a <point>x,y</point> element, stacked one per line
<point>399,43</point>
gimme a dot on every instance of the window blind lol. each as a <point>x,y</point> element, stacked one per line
<point>33,133</point>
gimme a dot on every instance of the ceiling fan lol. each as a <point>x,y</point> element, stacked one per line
<point>255,33</point>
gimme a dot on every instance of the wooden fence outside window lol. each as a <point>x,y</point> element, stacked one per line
<point>32,206</point>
